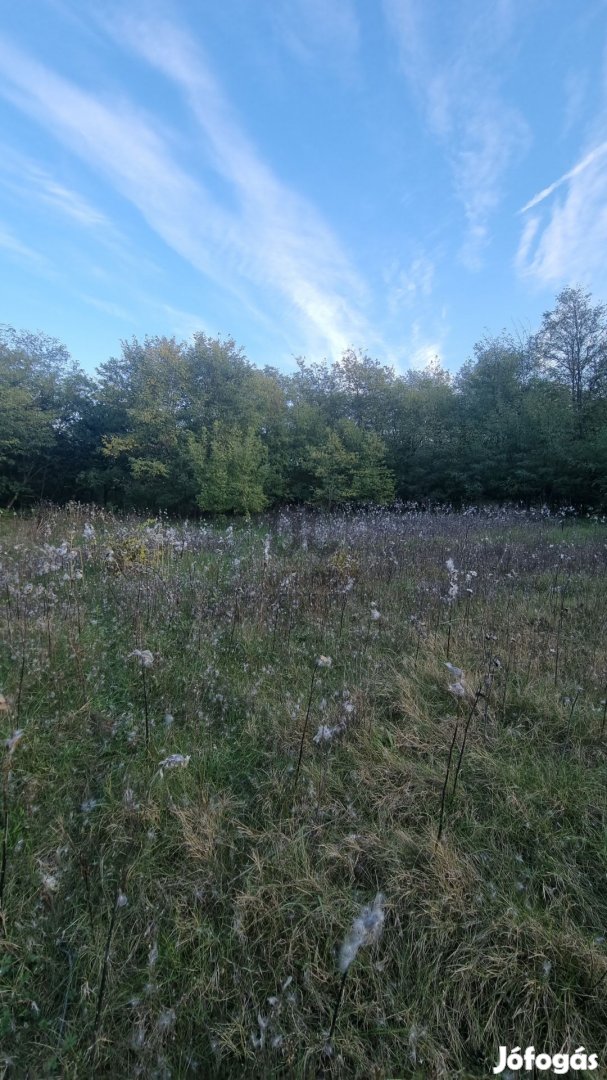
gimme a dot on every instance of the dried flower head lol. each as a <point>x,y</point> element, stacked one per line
<point>366,930</point>
<point>325,733</point>
<point>145,657</point>
<point>175,761</point>
<point>13,741</point>
<point>453,581</point>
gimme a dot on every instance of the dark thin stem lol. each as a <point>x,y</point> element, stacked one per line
<point>4,857</point>
<point>417,648</point>
<point>66,996</point>
<point>9,614</point>
<point>362,655</point>
<point>461,753</point>
<point>235,615</point>
<point>305,728</point>
<point>338,1000</point>
<point>84,870</point>
<point>571,711</point>
<point>506,676</point>
<point>145,708</point>
<point>21,677</point>
<point>343,611</point>
<point>596,985</point>
<point>558,639</point>
<point>444,792</point>
<point>106,956</point>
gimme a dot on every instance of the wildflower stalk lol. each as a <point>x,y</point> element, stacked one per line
<point>444,791</point>
<point>10,745</point>
<point>461,753</point>
<point>145,707</point>
<point>21,679</point>
<point>338,1001</point>
<point>570,718</point>
<point>84,871</point>
<point>235,617</point>
<point>419,634</point>
<point>4,856</point>
<point>489,684</point>
<point>596,985</point>
<point>289,628</point>
<point>448,635</point>
<point>342,614</point>
<point>9,612</point>
<point>66,997</point>
<point>365,930</point>
<point>506,677</point>
<point>558,638</point>
<point>366,642</point>
<point>103,980</point>
<point>146,660</point>
<point>305,727</point>
<point>119,901</point>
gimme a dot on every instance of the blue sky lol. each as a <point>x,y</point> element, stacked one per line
<point>304,175</point>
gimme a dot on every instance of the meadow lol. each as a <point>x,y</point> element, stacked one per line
<point>313,795</point>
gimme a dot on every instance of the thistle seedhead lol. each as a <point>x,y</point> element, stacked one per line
<point>145,657</point>
<point>13,741</point>
<point>325,733</point>
<point>366,930</point>
<point>175,761</point>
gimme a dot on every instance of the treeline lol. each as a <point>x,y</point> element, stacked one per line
<point>194,426</point>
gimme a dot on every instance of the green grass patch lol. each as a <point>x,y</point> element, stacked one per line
<point>175,906</point>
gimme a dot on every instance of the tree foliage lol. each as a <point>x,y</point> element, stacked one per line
<point>193,427</point>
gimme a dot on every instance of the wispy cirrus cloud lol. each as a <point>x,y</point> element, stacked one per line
<point>424,349</point>
<point>315,30</point>
<point>108,307</point>
<point>11,243</point>
<point>588,160</point>
<point>410,284</point>
<point>565,240</point>
<point>25,178</point>
<point>460,96</point>
<point>274,239</point>
<point>283,240</point>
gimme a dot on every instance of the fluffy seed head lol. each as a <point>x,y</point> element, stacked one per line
<point>365,930</point>
<point>145,657</point>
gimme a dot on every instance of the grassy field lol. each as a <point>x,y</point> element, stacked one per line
<point>224,742</point>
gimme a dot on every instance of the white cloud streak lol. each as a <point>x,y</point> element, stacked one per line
<point>275,239</point>
<point>585,162</point>
<point>460,98</point>
<point>108,307</point>
<point>568,243</point>
<point>185,323</point>
<point>408,285</point>
<point>283,240</point>
<point>11,243</point>
<point>315,30</point>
